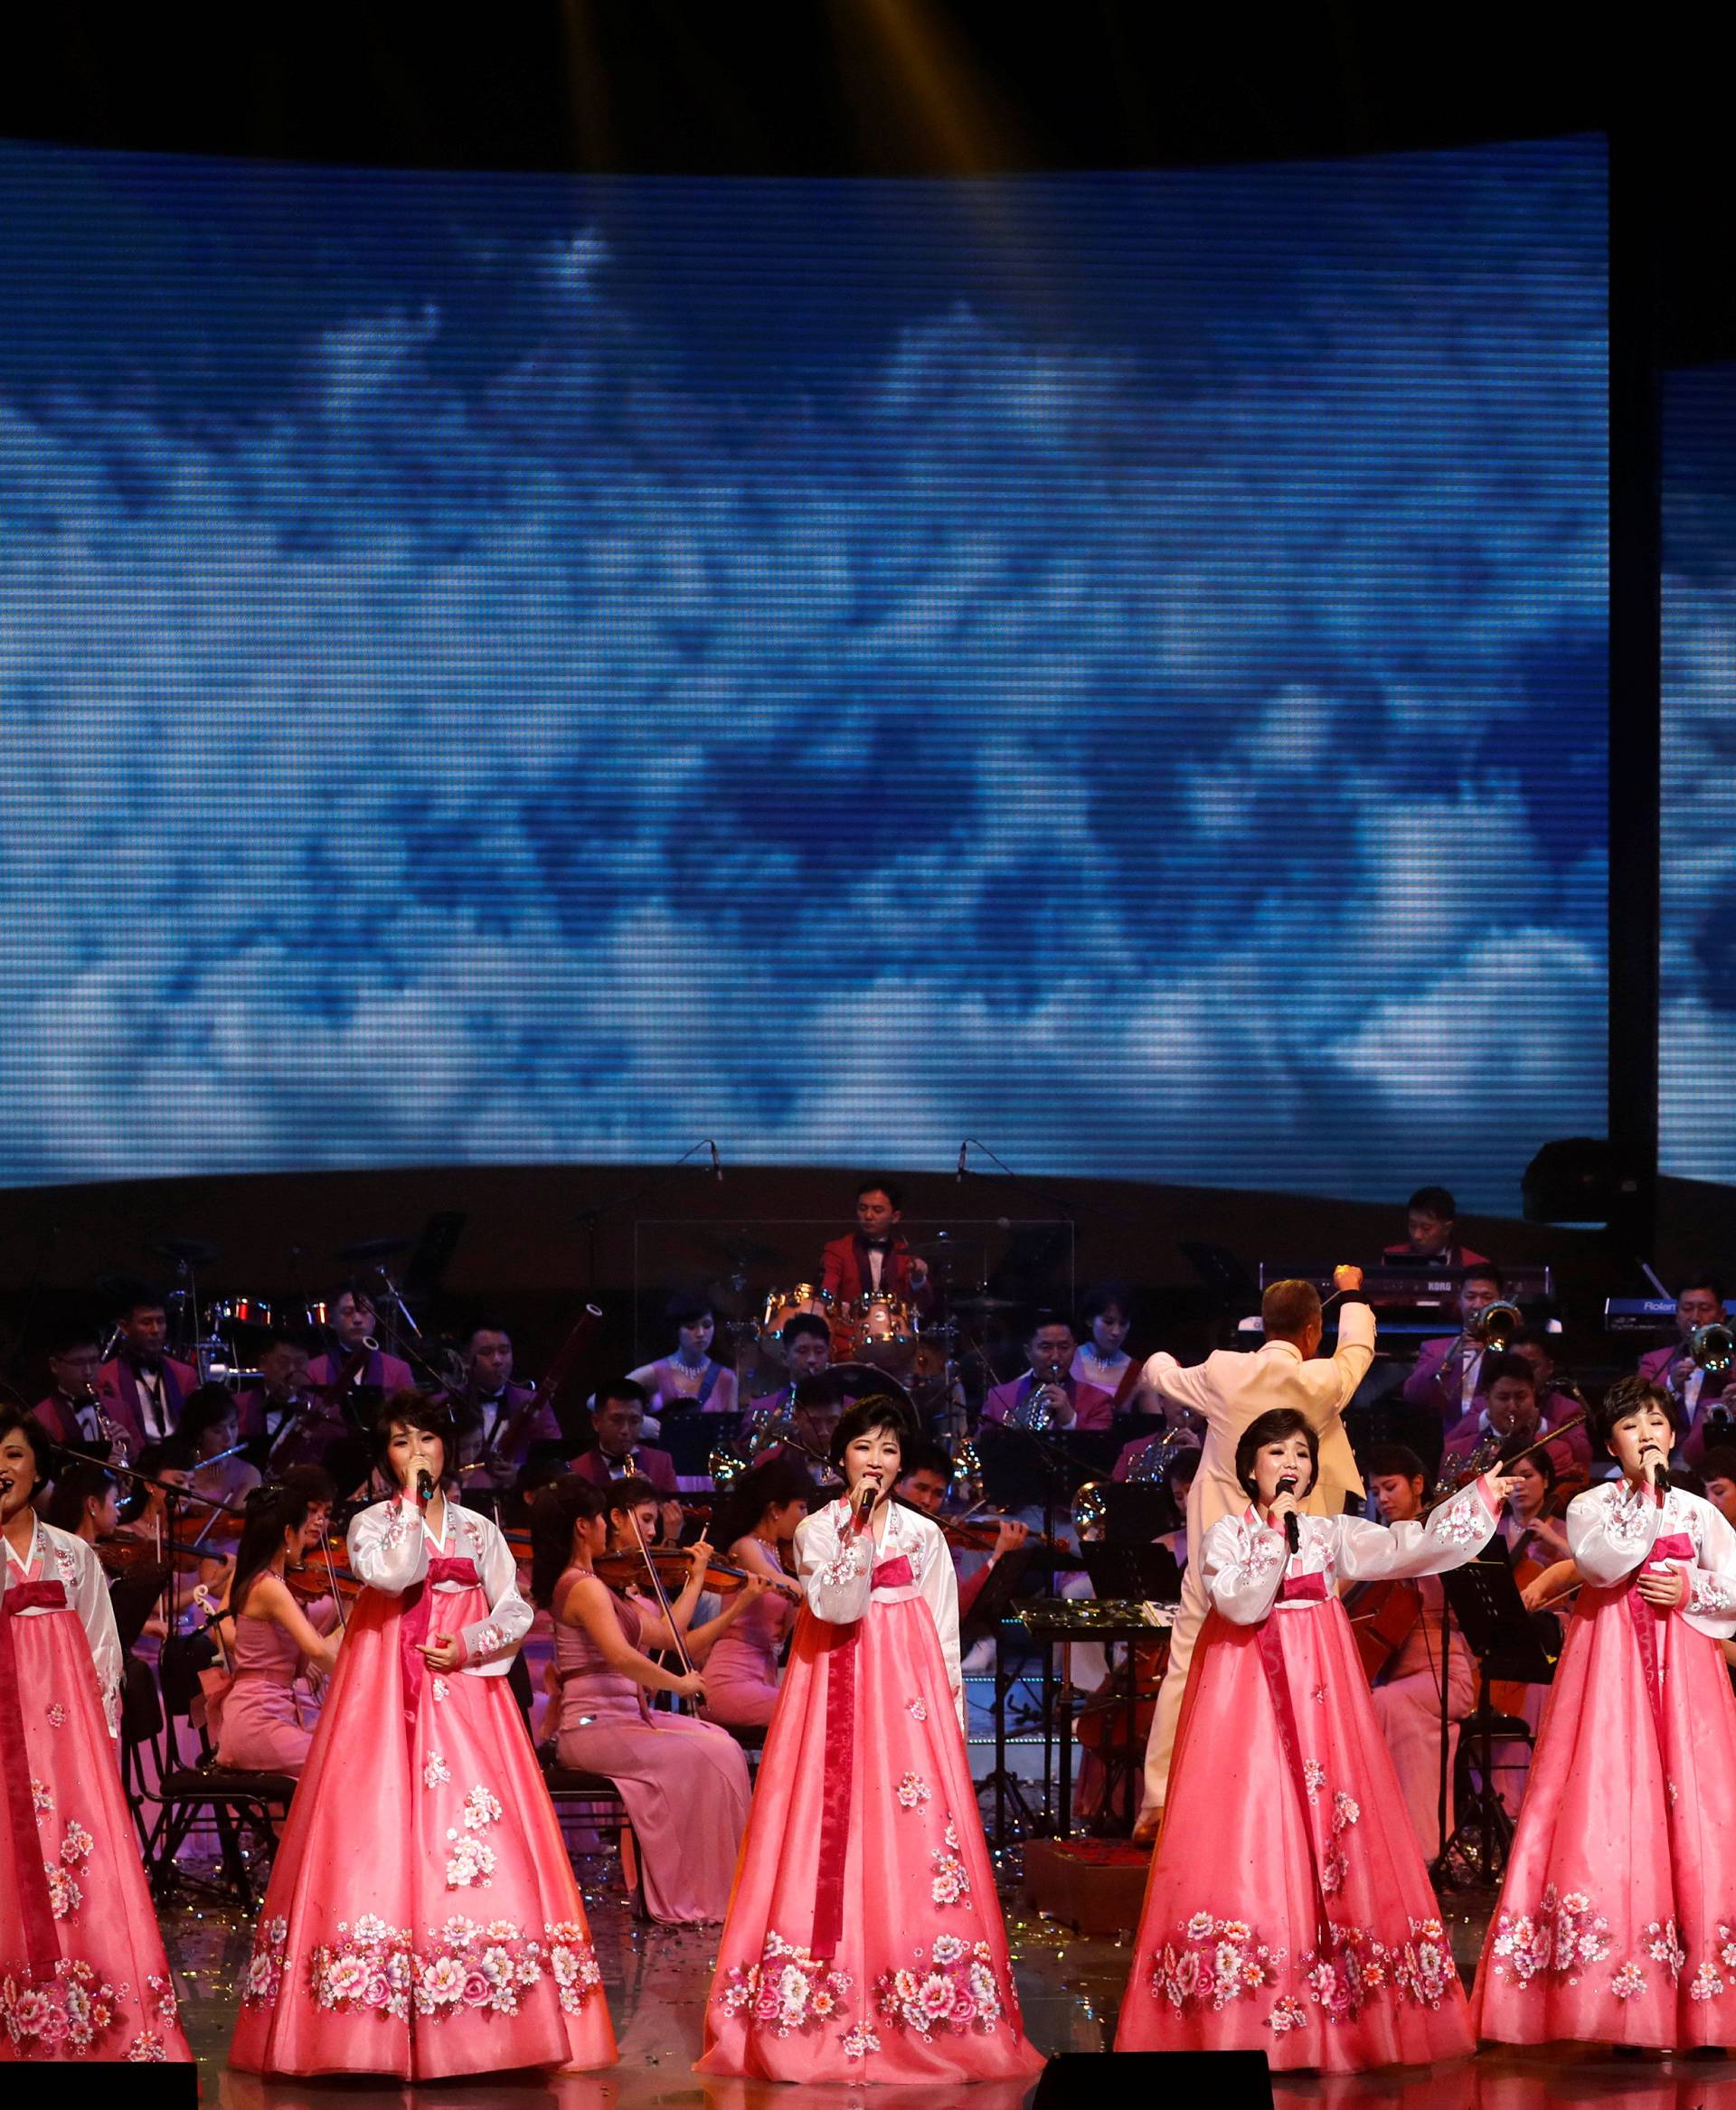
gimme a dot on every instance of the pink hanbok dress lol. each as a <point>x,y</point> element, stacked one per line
<point>741,1676</point>
<point>1618,1918</point>
<point>1288,1911</point>
<point>864,1940</point>
<point>422,1919</point>
<point>82,1972</point>
<point>264,1719</point>
<point>684,1782</point>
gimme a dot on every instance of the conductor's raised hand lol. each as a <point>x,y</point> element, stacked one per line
<point>1346,1276</point>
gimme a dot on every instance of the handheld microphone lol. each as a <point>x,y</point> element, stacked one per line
<point>424,1486</point>
<point>716,1163</point>
<point>964,1151</point>
<point>1292,1534</point>
<point>1660,1478</point>
<point>864,1498</point>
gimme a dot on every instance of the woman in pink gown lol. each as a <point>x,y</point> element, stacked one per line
<point>1617,1916</point>
<point>864,1940</point>
<point>755,1526</point>
<point>82,1972</point>
<point>263,1722</point>
<point>422,1919</point>
<point>685,1783</point>
<point>1288,1911</point>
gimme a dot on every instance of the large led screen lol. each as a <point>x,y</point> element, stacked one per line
<point>517,669</point>
<point>1697,807</point>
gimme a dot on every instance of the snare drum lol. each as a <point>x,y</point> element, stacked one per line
<point>882,1331</point>
<point>238,1310</point>
<point>782,1305</point>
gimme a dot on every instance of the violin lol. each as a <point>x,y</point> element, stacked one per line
<point>980,1534</point>
<point>627,1565</point>
<point>328,1576</point>
<point>126,1551</point>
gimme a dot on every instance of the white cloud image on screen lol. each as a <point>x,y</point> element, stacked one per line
<point>516,670</point>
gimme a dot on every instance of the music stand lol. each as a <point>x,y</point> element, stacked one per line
<point>1142,1573</point>
<point>1483,1599</point>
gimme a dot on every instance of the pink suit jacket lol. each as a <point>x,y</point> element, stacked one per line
<point>120,1393</point>
<point>1655,1366</point>
<point>1427,1384</point>
<point>1570,1453</point>
<point>388,1371</point>
<point>525,1419</point>
<point>1092,1408</point>
<point>657,1466</point>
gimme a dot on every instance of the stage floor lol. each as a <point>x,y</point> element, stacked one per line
<point>1071,1987</point>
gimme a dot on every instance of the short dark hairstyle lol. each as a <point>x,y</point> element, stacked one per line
<point>419,1410</point>
<point>26,1424</point>
<point>1038,1320</point>
<point>487,1323</point>
<point>78,1482</point>
<point>554,1511</point>
<point>1394,1461</point>
<point>203,1408</point>
<point>1719,1464</point>
<point>804,1322</point>
<point>278,1338</point>
<point>1496,1367</point>
<point>1627,1396</point>
<point>1517,1446</point>
<point>1100,1296</point>
<point>73,1335</point>
<point>1434,1202</point>
<point>687,1305</point>
<point>625,1390</point>
<point>877,1410</point>
<point>1483,1271</point>
<point>1288,1308</point>
<point>1700,1279</point>
<point>877,1184</point>
<point>174,1452</point>
<point>139,1296</point>
<point>1272,1427</point>
<point>921,1455</point>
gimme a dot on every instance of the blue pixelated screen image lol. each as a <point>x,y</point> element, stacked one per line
<point>517,669</point>
<point>1697,806</point>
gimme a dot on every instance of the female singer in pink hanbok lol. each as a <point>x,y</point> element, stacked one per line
<point>1617,1916</point>
<point>864,1940</point>
<point>1288,1911</point>
<point>82,1972</point>
<point>422,1919</point>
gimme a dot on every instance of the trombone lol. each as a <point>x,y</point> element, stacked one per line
<point>1494,1327</point>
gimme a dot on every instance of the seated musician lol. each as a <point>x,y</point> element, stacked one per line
<point>618,1420</point>
<point>143,1387</point>
<point>351,1365</point>
<point>690,1376</point>
<point>1717,1471</point>
<point>72,1411</point>
<point>805,1347</point>
<point>208,1423</point>
<point>1102,1359</point>
<point>1447,1378</point>
<point>1538,1348</point>
<point>1407,1684</point>
<point>1068,1404</point>
<point>1176,1427</point>
<point>874,1258</point>
<point>281,1419</point>
<point>1700,1302</point>
<point>1184,1467</point>
<point>755,1525</point>
<point>1431,1232</point>
<point>262,1711</point>
<point>498,1422</point>
<point>924,1483</point>
<point>146,1512</point>
<point>1509,1408</point>
<point>86,1502</point>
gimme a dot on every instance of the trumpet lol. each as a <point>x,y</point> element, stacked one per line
<point>1495,1326</point>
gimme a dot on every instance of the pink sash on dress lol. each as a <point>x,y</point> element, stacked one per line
<point>840,1756</point>
<point>42,1944</point>
<point>418,1616</point>
<point>1676,1546</point>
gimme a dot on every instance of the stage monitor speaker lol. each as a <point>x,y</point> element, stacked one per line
<point>1108,2080</point>
<point>139,2086</point>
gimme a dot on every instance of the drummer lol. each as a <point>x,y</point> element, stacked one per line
<point>874,1260</point>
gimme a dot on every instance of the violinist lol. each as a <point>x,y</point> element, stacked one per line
<point>684,1782</point>
<point>147,1514</point>
<point>924,1483</point>
<point>755,1526</point>
<point>261,1709</point>
<point>86,1502</point>
<point>1509,1409</point>
<point>1407,1689</point>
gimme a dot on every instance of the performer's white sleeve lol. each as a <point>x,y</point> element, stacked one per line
<point>388,1545</point>
<point>491,1644</point>
<point>1241,1566</point>
<point>835,1567</point>
<point>91,1600</point>
<point>939,1587</point>
<point>1609,1539</point>
<point>1455,1533</point>
<point>1187,1384</point>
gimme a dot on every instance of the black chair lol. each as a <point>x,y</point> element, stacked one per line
<point>595,1801</point>
<point>752,1741</point>
<point>241,1806</point>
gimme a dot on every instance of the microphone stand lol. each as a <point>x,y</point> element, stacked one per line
<point>592,1217</point>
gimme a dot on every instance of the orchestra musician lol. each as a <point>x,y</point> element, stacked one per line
<point>497,1420</point>
<point>1174,1425</point>
<point>1700,1302</point>
<point>261,1711</point>
<point>282,1420</point>
<point>1718,1474</point>
<point>618,1419</point>
<point>72,1411</point>
<point>142,1389</point>
<point>1102,1360</point>
<point>805,1345</point>
<point>1447,1376</point>
<point>924,1483</point>
<point>208,1422</point>
<point>1229,1391</point>
<point>1431,1232</point>
<point>1509,1409</point>
<point>352,1364</point>
<point>874,1258</point>
<point>690,1375</point>
<point>1049,1386</point>
<point>756,1525</point>
<point>1407,1688</point>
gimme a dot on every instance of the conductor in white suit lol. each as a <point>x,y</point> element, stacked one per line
<point>1228,1391</point>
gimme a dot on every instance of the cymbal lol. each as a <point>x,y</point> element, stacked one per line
<point>745,1251</point>
<point>985,1304</point>
<point>365,1250</point>
<point>936,1249</point>
<point>196,1252</point>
